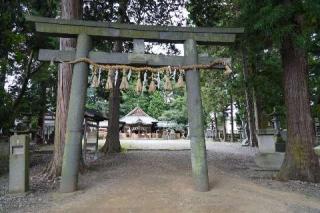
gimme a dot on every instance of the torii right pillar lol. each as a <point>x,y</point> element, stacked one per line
<point>197,139</point>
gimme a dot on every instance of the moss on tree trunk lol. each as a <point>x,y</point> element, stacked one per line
<point>300,162</point>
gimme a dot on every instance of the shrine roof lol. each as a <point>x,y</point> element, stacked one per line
<point>138,116</point>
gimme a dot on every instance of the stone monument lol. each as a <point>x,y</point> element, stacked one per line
<point>19,157</point>
<point>19,164</point>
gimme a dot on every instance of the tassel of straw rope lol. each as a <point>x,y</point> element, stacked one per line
<point>124,82</point>
<point>152,86</point>
<point>99,76</point>
<point>139,84</point>
<point>228,70</point>
<point>144,83</point>
<point>95,80</point>
<point>167,84</point>
<point>116,76</point>
<point>109,83</point>
<point>180,83</point>
<point>158,80</point>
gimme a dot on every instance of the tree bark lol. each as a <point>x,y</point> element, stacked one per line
<point>224,126</point>
<point>216,123</point>
<point>112,144</point>
<point>231,119</point>
<point>249,102</point>
<point>43,94</point>
<point>4,110</point>
<point>301,162</point>
<point>70,9</point>
<point>256,107</point>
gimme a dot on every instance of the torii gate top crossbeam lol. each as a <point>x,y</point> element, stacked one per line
<point>116,31</point>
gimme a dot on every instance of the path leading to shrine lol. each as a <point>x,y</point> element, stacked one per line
<point>160,181</point>
<point>157,144</point>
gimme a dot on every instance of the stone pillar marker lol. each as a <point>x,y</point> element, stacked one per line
<point>19,164</point>
<point>72,150</point>
<point>197,140</point>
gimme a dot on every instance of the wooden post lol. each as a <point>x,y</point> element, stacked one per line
<point>71,157</point>
<point>198,145</point>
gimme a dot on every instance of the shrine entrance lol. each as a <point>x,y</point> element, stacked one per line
<point>82,57</point>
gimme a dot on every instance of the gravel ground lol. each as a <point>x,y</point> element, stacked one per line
<point>39,188</point>
<point>223,158</point>
<point>239,161</point>
<point>232,158</point>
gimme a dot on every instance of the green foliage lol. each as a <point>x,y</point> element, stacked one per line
<point>156,104</point>
<point>177,111</point>
<point>266,23</point>
<point>314,83</point>
<point>268,80</point>
<point>34,90</point>
<point>210,13</point>
<point>137,12</point>
<point>153,104</point>
<point>25,84</point>
<point>96,102</point>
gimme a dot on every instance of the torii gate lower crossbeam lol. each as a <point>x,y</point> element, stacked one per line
<point>84,30</point>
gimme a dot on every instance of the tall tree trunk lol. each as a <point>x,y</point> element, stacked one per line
<point>70,9</point>
<point>231,119</point>
<point>301,162</point>
<point>43,94</point>
<point>256,107</point>
<point>249,101</point>
<point>261,118</point>
<point>112,144</point>
<point>216,123</point>
<point>3,110</point>
<point>212,123</point>
<point>224,126</point>
<point>3,73</point>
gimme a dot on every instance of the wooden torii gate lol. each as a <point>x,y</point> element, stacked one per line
<point>85,31</point>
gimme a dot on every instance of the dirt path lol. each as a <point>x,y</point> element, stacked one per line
<point>161,182</point>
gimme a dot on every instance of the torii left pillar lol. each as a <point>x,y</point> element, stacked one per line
<point>72,149</point>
